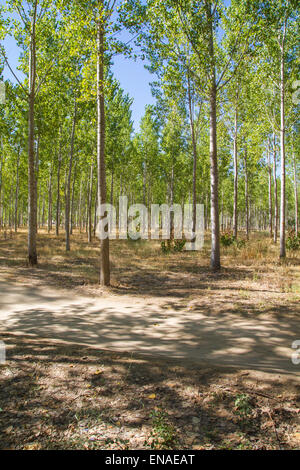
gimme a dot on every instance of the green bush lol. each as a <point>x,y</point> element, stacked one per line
<point>163,434</point>
<point>227,238</point>
<point>172,246</point>
<point>293,241</point>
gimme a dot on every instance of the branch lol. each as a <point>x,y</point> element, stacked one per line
<point>219,87</point>
<point>11,70</point>
<point>185,30</point>
<point>230,58</point>
<point>25,21</point>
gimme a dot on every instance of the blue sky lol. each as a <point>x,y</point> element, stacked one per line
<point>132,75</point>
<point>134,79</point>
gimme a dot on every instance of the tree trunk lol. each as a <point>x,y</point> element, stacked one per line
<point>104,244</point>
<point>50,201</point>
<point>235,189</point>
<point>80,206</point>
<point>194,146</point>
<point>275,191</point>
<point>246,196</point>
<point>17,192</point>
<point>172,201</point>
<point>112,188</point>
<point>270,196</point>
<point>72,199</point>
<point>215,225</point>
<point>90,205</point>
<point>1,170</point>
<point>58,190</point>
<point>282,150</point>
<point>296,195</point>
<point>32,213</point>
<point>68,189</point>
<point>95,211</point>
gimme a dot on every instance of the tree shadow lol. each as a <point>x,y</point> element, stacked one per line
<point>53,397</point>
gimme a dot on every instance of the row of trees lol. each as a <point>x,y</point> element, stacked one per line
<point>226,114</point>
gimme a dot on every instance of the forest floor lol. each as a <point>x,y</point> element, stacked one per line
<point>157,381</point>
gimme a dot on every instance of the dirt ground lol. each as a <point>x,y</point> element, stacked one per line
<point>54,396</point>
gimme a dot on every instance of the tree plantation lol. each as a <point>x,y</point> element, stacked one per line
<point>147,341</point>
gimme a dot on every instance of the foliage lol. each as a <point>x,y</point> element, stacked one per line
<point>243,405</point>
<point>163,434</point>
<point>227,238</point>
<point>172,246</point>
<point>293,241</point>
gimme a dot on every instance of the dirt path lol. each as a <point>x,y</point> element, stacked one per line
<point>151,326</point>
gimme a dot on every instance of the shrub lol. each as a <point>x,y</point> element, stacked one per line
<point>227,238</point>
<point>163,434</point>
<point>172,246</point>
<point>243,405</point>
<point>293,241</point>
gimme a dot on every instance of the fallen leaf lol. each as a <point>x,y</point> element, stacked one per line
<point>33,446</point>
<point>152,396</point>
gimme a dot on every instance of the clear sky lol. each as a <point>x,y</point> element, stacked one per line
<point>134,79</point>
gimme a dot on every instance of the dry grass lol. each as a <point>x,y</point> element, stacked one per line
<point>53,397</point>
<point>77,398</point>
<point>252,273</point>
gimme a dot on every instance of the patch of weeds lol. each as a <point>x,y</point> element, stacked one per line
<point>295,288</point>
<point>293,241</point>
<point>226,446</point>
<point>88,415</point>
<point>243,405</point>
<point>163,433</point>
<point>244,294</point>
<point>172,246</point>
<point>244,445</point>
<point>227,238</point>
<point>218,396</point>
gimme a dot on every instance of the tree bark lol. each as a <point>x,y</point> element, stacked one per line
<point>32,212</point>
<point>246,195</point>
<point>282,150</point>
<point>104,244</point>
<point>50,201</point>
<point>296,195</point>
<point>58,190</point>
<point>72,199</point>
<point>1,171</point>
<point>80,206</point>
<point>275,191</point>
<point>17,192</point>
<point>215,224</point>
<point>90,205</point>
<point>270,196</point>
<point>68,189</point>
<point>235,189</point>
<point>194,146</point>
